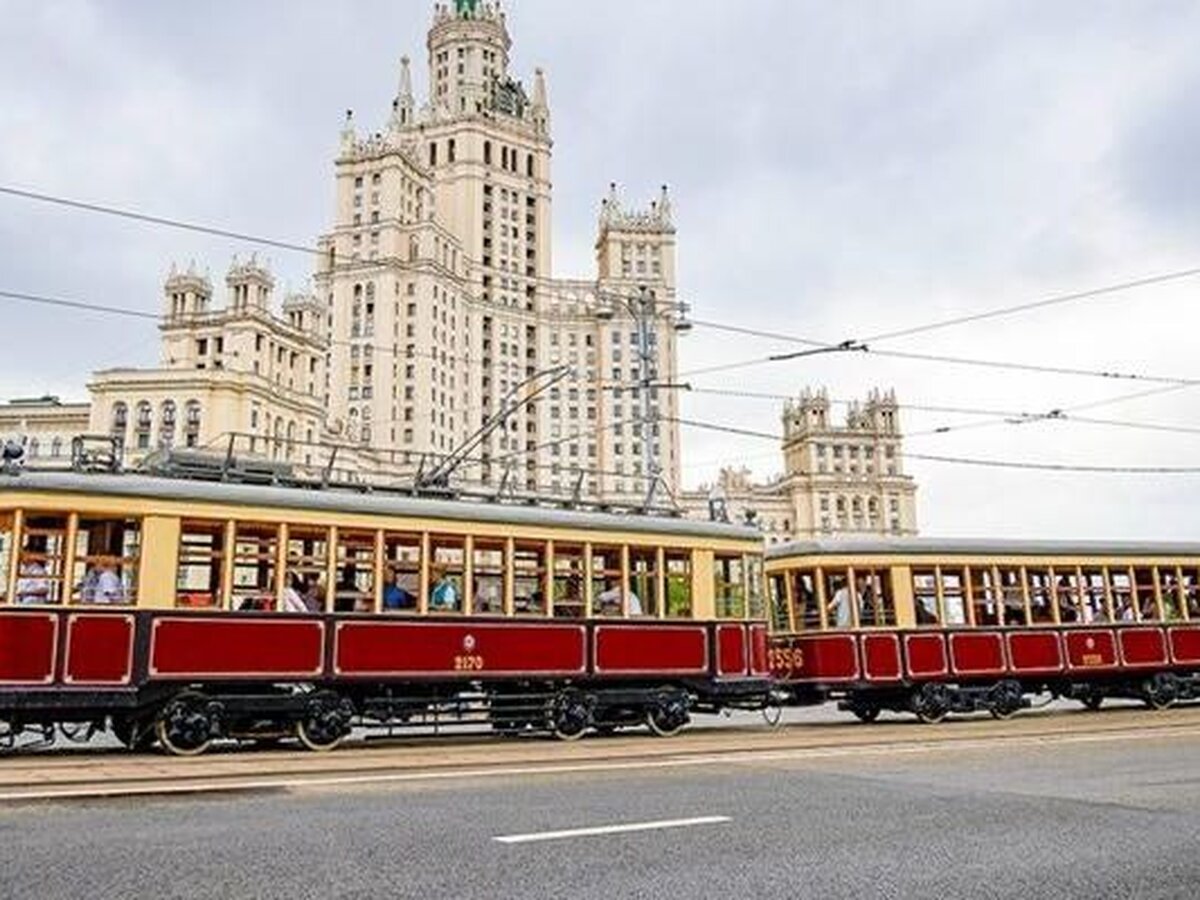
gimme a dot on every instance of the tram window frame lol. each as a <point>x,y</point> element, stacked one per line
<point>1171,604</point>
<point>642,600</point>
<point>529,560</point>
<point>1145,591</point>
<point>1068,595</point>
<point>1120,580</point>
<point>199,557</point>
<point>569,578</point>
<point>876,609</point>
<point>806,612</point>
<point>729,585</point>
<point>354,590</point>
<point>306,564</point>
<point>1040,580</point>
<point>985,597</point>
<point>122,553</point>
<point>677,573</point>
<point>8,527</point>
<point>402,570</point>
<point>1094,594</point>
<point>442,558</point>
<point>953,585</point>
<point>606,578</point>
<point>1189,582</point>
<point>925,587</point>
<point>259,597</point>
<point>489,561</point>
<point>45,586</point>
<point>755,605</point>
<point>777,601</point>
<point>835,580</point>
<point>1013,598</point>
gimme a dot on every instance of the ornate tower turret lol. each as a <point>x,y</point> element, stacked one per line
<point>186,294</point>
<point>468,57</point>
<point>404,106</point>
<point>250,286</point>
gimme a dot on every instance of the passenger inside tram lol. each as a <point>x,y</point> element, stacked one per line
<point>33,582</point>
<point>443,595</point>
<point>396,595</point>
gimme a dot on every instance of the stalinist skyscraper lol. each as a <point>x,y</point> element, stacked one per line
<point>438,283</point>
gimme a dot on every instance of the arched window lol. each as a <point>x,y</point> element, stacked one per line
<point>529,165</point>
<point>291,439</point>
<point>191,413</point>
<point>34,448</point>
<point>120,419</point>
<point>56,447</point>
<point>142,425</point>
<point>166,423</point>
<point>487,153</point>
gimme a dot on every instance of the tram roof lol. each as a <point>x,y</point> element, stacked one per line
<point>934,546</point>
<point>344,500</point>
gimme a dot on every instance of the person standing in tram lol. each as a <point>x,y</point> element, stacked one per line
<point>838,609</point>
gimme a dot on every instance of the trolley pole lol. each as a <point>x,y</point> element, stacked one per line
<point>644,309</point>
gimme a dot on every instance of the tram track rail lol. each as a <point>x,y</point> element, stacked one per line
<point>82,776</point>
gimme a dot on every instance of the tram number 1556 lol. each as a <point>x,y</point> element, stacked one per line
<point>789,658</point>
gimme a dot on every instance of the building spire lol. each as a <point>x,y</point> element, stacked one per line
<point>404,104</point>
<point>540,106</point>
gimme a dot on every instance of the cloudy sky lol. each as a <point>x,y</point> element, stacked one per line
<point>839,170</point>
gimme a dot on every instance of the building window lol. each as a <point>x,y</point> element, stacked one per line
<point>166,428</point>
<point>120,420</point>
<point>192,423</point>
<point>143,425</point>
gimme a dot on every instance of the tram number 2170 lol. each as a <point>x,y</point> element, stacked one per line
<point>469,662</point>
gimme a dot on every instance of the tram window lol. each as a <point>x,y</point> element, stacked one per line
<point>984,596</point>
<point>1189,584</point>
<point>487,570</point>
<point>729,586</point>
<point>446,564</point>
<point>355,588</point>
<point>1040,609</point>
<point>839,605</point>
<point>201,552</point>
<point>643,581</point>
<point>568,581</point>
<point>529,579</point>
<point>40,565</point>
<point>1122,592</point>
<point>1066,594</point>
<point>806,613</point>
<point>754,587</point>
<point>777,597</point>
<point>954,603</point>
<point>1012,596</point>
<point>1095,596</point>
<point>608,580</point>
<point>402,562</point>
<point>925,603</point>
<point>876,605</point>
<point>106,560</point>
<point>307,568</point>
<point>1168,583</point>
<point>6,529</point>
<point>679,584</point>
<point>1145,605</point>
<point>255,549</point>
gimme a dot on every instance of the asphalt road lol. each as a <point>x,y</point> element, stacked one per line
<point>1102,818</point>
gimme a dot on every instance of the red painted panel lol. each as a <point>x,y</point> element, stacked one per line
<point>632,649</point>
<point>1090,649</point>
<point>1035,652</point>
<point>1185,645</point>
<point>832,657</point>
<point>236,647</point>
<point>977,653</point>
<point>731,650</point>
<point>28,647</point>
<point>1143,646</point>
<point>759,662</point>
<point>99,649</point>
<point>458,648</point>
<point>881,657</point>
<point>926,655</point>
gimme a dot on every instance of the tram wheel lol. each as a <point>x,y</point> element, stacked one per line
<point>1092,700</point>
<point>326,722</point>
<point>865,712</point>
<point>667,715</point>
<point>1161,690</point>
<point>570,715</point>
<point>187,725</point>
<point>1005,700</point>
<point>931,703</point>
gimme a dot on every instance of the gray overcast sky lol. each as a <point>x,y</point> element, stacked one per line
<point>838,170</point>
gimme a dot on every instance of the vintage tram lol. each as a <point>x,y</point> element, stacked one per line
<point>182,611</point>
<point>942,626</point>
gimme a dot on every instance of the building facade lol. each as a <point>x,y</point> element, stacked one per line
<point>838,478</point>
<point>435,308</point>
